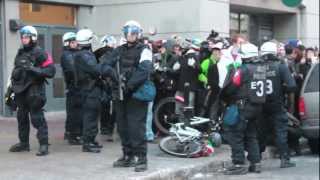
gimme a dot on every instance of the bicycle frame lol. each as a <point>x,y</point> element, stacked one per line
<point>185,133</point>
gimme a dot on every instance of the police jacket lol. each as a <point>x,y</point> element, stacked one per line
<point>246,82</point>
<point>279,81</point>
<point>88,72</point>
<point>135,62</point>
<point>99,53</point>
<point>105,54</point>
<point>32,65</point>
<point>67,64</point>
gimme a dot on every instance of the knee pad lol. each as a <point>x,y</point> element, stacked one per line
<point>36,101</point>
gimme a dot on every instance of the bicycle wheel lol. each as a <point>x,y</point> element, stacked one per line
<point>164,114</point>
<point>172,146</point>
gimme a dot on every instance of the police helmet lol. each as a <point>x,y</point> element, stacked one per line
<point>67,37</point>
<point>131,28</point>
<point>85,37</point>
<point>108,40</point>
<point>248,51</point>
<point>29,31</point>
<point>268,48</point>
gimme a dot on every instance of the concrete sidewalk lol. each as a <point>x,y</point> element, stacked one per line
<point>68,162</point>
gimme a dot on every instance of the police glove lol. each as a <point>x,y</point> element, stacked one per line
<point>10,99</point>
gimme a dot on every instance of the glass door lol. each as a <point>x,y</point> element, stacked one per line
<point>50,38</point>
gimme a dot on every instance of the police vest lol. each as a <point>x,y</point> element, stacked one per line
<point>129,58</point>
<point>19,77</point>
<point>257,83</point>
<point>69,68</point>
<point>274,84</point>
<point>83,79</point>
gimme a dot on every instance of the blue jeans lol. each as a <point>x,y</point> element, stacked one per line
<point>149,132</point>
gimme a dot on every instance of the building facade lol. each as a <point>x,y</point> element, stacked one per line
<point>260,20</point>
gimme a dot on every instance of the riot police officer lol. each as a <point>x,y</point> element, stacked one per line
<point>133,61</point>
<point>108,43</point>
<point>243,93</point>
<point>32,66</point>
<point>108,116</point>
<point>73,122</point>
<point>279,81</point>
<point>88,73</point>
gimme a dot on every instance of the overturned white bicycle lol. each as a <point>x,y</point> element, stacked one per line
<point>187,141</point>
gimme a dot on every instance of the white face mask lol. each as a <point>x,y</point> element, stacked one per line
<point>235,50</point>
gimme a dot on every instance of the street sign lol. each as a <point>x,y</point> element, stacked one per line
<point>292,3</point>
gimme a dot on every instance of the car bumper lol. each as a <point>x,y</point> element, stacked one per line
<point>310,132</point>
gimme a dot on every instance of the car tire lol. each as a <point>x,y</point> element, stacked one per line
<point>314,145</point>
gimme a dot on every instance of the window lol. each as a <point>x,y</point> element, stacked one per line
<point>49,14</point>
<point>35,7</point>
<point>239,24</point>
<point>313,81</point>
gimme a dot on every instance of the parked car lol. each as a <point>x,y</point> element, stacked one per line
<point>309,108</point>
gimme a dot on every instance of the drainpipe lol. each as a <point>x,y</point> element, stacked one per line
<point>301,21</point>
<point>3,55</point>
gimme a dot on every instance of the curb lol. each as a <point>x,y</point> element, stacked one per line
<point>190,172</point>
<point>182,173</point>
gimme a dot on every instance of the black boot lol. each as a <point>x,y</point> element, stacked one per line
<point>90,148</point>
<point>66,135</point>
<point>97,145</point>
<point>142,164</point>
<point>236,169</point>
<point>285,163</point>
<point>125,161</point>
<point>298,151</point>
<point>255,168</point>
<point>43,150</point>
<point>20,147</point>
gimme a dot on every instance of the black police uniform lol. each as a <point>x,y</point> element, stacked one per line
<point>131,113</point>
<point>108,115</point>
<point>279,81</point>
<point>73,124</point>
<point>248,95</point>
<point>31,68</point>
<point>88,73</point>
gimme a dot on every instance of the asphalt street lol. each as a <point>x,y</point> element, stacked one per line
<point>67,162</point>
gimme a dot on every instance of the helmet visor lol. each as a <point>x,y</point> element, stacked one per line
<point>131,31</point>
<point>25,36</point>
